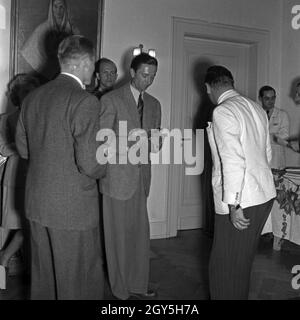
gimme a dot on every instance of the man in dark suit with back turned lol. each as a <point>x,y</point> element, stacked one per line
<point>126,187</point>
<point>57,132</point>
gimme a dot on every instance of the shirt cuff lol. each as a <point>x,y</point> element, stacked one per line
<point>233,198</point>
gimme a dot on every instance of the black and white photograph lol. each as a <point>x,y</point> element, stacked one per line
<point>149,152</point>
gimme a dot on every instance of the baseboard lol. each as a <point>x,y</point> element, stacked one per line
<point>158,230</point>
<point>187,223</point>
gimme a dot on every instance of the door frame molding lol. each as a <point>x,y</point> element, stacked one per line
<point>259,41</point>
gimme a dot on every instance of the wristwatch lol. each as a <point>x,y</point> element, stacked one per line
<point>235,206</point>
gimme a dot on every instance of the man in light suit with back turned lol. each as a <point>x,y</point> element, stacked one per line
<point>126,187</point>
<point>57,132</point>
<point>242,182</point>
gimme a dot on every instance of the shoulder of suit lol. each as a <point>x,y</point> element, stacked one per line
<point>236,101</point>
<point>228,105</point>
<point>114,93</point>
<point>280,111</point>
<point>232,105</point>
<point>69,87</point>
<point>39,91</point>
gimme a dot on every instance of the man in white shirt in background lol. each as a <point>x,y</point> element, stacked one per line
<point>242,182</point>
<point>279,128</point>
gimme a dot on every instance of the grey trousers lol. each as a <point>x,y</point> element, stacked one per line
<point>127,243</point>
<point>65,265</point>
<point>233,253</point>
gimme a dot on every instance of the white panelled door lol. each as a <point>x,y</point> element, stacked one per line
<point>193,54</point>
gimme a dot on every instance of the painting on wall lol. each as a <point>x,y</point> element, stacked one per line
<point>40,25</point>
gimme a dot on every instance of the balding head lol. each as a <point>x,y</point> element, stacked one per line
<point>76,56</point>
<point>106,73</point>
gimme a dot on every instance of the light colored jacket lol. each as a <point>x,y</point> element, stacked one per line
<point>278,127</point>
<point>121,180</point>
<point>241,152</point>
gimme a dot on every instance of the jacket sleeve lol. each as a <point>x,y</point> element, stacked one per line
<point>85,126</point>
<point>284,130</point>
<point>107,113</point>
<point>227,134</point>
<point>21,137</point>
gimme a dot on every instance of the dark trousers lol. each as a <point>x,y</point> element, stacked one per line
<point>65,264</point>
<point>233,253</point>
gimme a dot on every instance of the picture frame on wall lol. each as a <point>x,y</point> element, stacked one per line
<point>38,26</point>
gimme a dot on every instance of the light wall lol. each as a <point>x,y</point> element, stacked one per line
<point>4,53</point>
<point>127,23</point>
<point>290,73</point>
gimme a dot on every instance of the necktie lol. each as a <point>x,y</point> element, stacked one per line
<point>140,108</point>
<point>268,114</point>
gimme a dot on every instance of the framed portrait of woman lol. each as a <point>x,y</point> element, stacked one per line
<point>38,26</point>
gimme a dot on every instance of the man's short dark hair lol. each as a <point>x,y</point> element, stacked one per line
<point>263,89</point>
<point>218,76</point>
<point>73,48</point>
<point>100,61</point>
<point>143,58</point>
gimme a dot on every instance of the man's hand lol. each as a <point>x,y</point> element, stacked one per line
<point>109,151</point>
<point>280,141</point>
<point>157,139</point>
<point>238,219</point>
<point>294,145</point>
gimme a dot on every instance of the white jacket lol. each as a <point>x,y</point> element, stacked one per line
<point>241,152</point>
<point>279,127</point>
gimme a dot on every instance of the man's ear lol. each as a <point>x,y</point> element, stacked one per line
<point>132,73</point>
<point>81,64</point>
<point>208,88</point>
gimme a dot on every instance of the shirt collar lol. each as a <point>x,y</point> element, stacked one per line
<point>74,77</point>
<point>136,93</point>
<point>226,95</point>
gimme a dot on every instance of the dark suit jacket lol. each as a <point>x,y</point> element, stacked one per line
<point>121,180</point>
<point>57,132</point>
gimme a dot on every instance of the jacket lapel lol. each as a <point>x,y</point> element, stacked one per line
<point>131,106</point>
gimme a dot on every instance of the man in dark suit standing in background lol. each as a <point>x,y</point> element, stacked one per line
<point>126,187</point>
<point>57,132</point>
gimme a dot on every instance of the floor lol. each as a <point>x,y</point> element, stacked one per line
<point>179,270</point>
